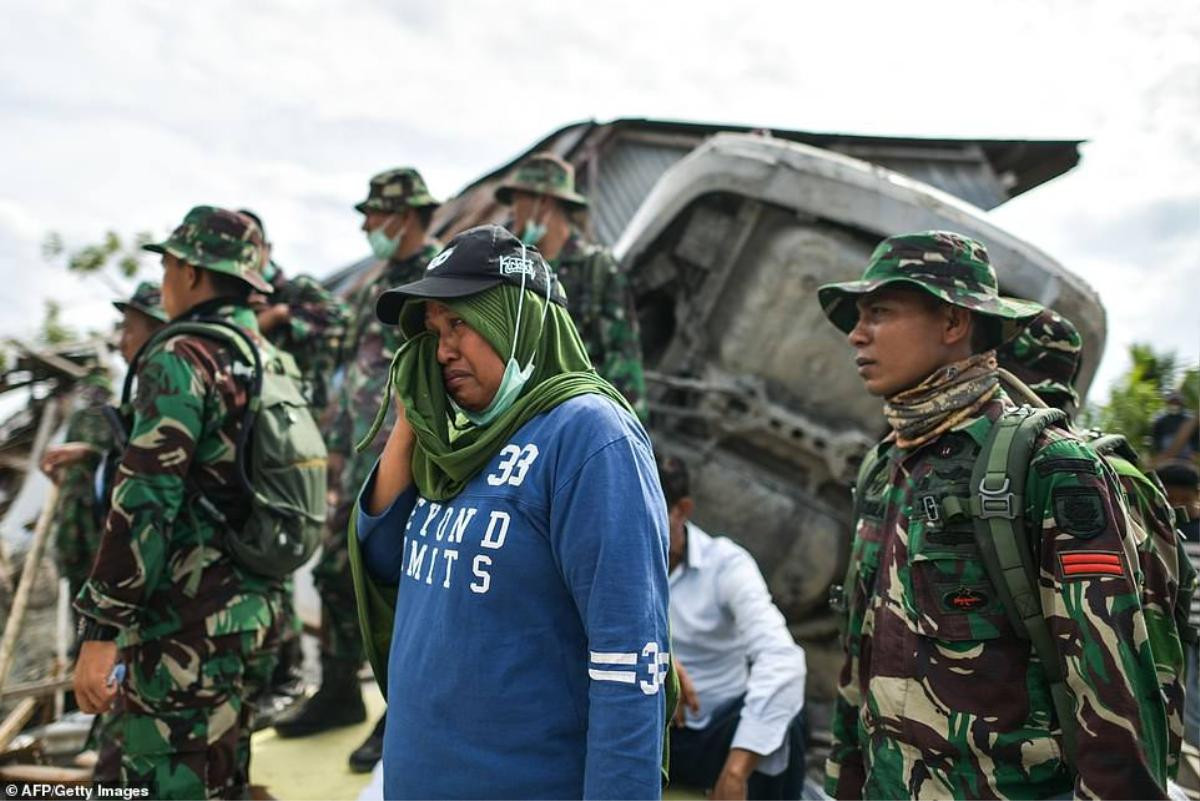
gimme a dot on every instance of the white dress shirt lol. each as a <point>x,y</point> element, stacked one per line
<point>731,639</point>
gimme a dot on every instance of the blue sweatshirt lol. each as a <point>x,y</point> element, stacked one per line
<point>529,648</point>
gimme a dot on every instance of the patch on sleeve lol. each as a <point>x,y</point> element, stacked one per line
<point>1090,564</point>
<point>1079,511</point>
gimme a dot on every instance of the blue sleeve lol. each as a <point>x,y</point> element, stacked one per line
<point>608,528</point>
<point>382,536</point>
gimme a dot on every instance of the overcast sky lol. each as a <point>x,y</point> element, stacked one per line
<point>122,115</point>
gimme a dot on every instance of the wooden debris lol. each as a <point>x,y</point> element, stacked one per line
<point>16,721</point>
<point>36,689</point>
<point>51,360</point>
<point>44,773</point>
<point>33,559</point>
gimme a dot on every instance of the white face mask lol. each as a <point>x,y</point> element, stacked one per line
<point>515,377</point>
<point>382,245</point>
<point>533,231</point>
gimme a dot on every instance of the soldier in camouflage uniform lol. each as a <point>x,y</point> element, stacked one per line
<point>141,316</point>
<point>542,195</point>
<point>303,318</point>
<point>194,628</point>
<point>396,217</point>
<point>1046,357</point>
<point>75,529</point>
<point>939,696</point>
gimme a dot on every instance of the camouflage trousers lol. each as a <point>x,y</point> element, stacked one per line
<point>105,740</point>
<point>185,725</point>
<point>341,638</point>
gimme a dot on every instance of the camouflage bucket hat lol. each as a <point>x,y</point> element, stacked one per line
<point>397,190</point>
<point>1046,355</point>
<point>948,266</point>
<point>219,240</point>
<point>543,174</point>
<point>147,299</point>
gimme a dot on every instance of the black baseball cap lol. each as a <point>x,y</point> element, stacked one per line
<point>477,259</point>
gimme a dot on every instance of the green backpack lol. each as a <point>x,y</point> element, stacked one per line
<point>281,455</point>
<point>1007,546</point>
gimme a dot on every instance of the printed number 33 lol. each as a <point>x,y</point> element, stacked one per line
<point>514,464</point>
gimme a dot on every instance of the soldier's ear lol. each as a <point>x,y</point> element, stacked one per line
<point>958,324</point>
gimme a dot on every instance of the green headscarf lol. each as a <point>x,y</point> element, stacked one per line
<point>445,459</point>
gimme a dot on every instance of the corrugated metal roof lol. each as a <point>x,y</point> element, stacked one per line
<point>973,182</point>
<point>630,170</point>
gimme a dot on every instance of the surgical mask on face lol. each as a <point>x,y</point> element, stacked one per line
<point>382,245</point>
<point>511,384</point>
<point>515,377</point>
<point>532,233</point>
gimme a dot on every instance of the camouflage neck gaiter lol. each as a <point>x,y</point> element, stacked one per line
<point>943,400</point>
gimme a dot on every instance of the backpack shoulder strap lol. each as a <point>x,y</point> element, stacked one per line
<point>1112,445</point>
<point>838,592</point>
<point>220,330</point>
<point>1006,546</point>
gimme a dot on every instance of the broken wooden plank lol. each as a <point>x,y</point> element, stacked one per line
<point>45,774</point>
<point>33,559</point>
<point>51,360</point>
<point>36,689</point>
<point>16,721</point>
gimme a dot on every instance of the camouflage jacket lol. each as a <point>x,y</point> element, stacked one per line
<point>938,696</point>
<point>187,412</point>
<point>367,354</point>
<point>312,334</point>
<point>76,530</point>
<point>601,304</point>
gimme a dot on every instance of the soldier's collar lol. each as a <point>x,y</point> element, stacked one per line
<point>212,307</point>
<point>427,251</point>
<point>979,426</point>
<point>224,308</point>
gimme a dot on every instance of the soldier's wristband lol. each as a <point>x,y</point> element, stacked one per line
<point>92,629</point>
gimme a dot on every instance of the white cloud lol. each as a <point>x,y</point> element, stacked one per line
<point>122,115</point>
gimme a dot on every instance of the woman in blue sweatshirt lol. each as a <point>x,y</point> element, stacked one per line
<point>516,524</point>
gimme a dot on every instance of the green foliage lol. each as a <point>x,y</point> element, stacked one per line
<point>1138,396</point>
<point>54,331</point>
<point>123,256</point>
<point>1189,387</point>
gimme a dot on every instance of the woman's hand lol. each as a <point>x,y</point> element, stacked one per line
<point>394,474</point>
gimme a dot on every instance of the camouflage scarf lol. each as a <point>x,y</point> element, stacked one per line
<point>947,397</point>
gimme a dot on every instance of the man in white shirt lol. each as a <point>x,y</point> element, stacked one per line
<point>740,731</point>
